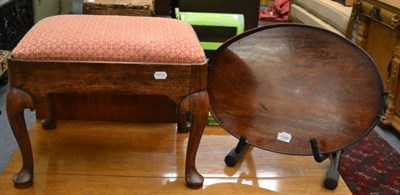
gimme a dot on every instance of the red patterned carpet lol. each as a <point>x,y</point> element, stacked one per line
<point>371,166</point>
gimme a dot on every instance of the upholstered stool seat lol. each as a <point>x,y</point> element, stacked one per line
<point>107,54</point>
<point>111,38</point>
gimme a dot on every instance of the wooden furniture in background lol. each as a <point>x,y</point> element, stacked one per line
<point>118,7</point>
<point>379,35</point>
<point>127,7</point>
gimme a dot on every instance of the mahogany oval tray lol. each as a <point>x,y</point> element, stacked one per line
<point>295,81</point>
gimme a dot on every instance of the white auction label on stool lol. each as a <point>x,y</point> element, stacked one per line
<point>160,75</point>
<point>285,137</point>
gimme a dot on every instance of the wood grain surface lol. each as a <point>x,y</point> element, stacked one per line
<point>86,157</point>
<point>301,80</point>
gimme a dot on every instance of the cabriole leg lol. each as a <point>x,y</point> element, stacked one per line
<point>183,123</point>
<point>17,101</point>
<point>50,122</point>
<point>198,105</point>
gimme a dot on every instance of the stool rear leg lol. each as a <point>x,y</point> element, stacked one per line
<point>17,101</point>
<point>198,105</point>
<point>183,123</point>
<point>50,122</point>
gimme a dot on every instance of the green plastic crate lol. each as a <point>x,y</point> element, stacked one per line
<point>212,19</point>
<point>211,120</point>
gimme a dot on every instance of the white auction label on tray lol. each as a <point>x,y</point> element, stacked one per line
<point>285,137</point>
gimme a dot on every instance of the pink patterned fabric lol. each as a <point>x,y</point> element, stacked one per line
<point>111,38</point>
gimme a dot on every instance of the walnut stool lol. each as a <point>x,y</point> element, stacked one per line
<point>107,54</point>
